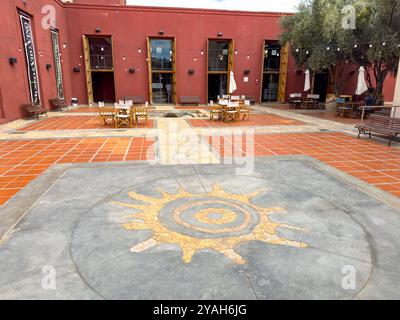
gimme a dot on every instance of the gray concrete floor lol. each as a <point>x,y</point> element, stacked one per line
<point>293,229</point>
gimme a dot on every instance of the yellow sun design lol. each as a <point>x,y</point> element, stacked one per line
<point>211,220</point>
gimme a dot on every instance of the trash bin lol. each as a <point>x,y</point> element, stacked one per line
<point>74,102</point>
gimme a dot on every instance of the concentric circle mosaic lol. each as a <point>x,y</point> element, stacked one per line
<point>217,220</point>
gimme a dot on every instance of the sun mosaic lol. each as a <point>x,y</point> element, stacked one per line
<point>217,220</point>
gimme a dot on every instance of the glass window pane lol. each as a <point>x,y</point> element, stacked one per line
<point>161,54</point>
<point>101,53</point>
<point>272,56</point>
<point>218,55</point>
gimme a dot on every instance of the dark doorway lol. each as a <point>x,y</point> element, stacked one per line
<point>103,87</point>
<point>217,86</point>
<point>321,85</point>
<point>270,87</point>
<point>162,86</point>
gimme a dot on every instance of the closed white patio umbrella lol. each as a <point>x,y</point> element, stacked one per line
<point>361,83</point>
<point>307,84</point>
<point>232,83</point>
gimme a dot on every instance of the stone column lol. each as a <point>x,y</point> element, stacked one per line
<point>396,99</point>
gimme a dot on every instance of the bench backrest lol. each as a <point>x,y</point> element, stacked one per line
<point>190,99</point>
<point>385,122</point>
<point>33,106</point>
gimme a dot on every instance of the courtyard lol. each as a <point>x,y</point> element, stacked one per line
<point>214,155</point>
<point>277,207</point>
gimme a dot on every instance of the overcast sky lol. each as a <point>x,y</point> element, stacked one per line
<point>247,5</point>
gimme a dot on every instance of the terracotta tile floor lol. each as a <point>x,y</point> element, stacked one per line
<point>76,123</point>
<point>255,120</point>
<point>369,161</point>
<point>22,161</point>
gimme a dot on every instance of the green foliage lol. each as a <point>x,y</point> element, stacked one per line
<point>320,43</point>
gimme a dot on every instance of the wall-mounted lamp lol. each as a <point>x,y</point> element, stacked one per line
<point>191,72</point>
<point>246,72</point>
<point>161,32</point>
<point>131,70</point>
<point>220,34</point>
<point>77,69</point>
<point>48,66</point>
<point>98,30</point>
<point>12,61</point>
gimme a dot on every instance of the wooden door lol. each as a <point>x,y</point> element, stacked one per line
<point>283,72</point>
<point>88,69</point>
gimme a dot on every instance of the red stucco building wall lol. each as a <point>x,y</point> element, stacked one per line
<point>130,27</point>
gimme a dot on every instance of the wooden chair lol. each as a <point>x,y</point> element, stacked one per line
<point>215,110</point>
<point>107,113</point>
<point>58,104</point>
<point>343,109</point>
<point>245,109</point>
<point>295,100</point>
<point>35,109</point>
<point>231,112</point>
<point>127,103</point>
<point>312,101</point>
<point>123,116</point>
<point>140,112</point>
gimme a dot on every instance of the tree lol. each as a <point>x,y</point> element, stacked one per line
<point>378,32</point>
<point>319,41</point>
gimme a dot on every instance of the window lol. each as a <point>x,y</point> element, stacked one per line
<point>272,56</point>
<point>161,54</point>
<point>101,53</point>
<point>218,55</point>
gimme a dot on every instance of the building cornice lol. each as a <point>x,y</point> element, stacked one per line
<point>174,10</point>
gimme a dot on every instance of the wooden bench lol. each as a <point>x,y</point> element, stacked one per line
<point>386,126</point>
<point>58,104</point>
<point>135,100</point>
<point>34,109</point>
<point>186,100</point>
